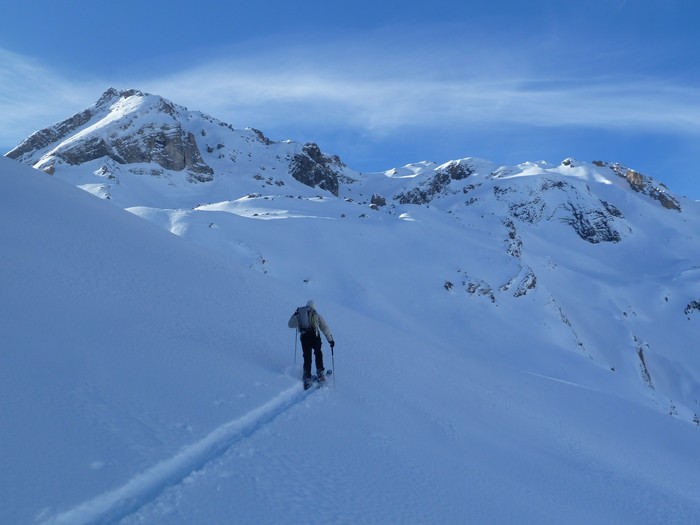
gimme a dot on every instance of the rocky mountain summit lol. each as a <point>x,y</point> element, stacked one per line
<point>133,132</point>
<point>163,142</point>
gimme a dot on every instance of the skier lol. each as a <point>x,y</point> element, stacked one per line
<point>308,321</point>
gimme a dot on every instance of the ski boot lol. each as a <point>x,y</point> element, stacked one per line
<point>307,382</point>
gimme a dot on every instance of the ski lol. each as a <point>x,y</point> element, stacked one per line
<point>313,380</point>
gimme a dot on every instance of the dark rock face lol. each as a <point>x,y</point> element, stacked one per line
<point>645,185</point>
<point>692,306</point>
<point>171,147</point>
<point>438,184</point>
<point>458,171</point>
<point>87,150</point>
<point>592,225</point>
<point>46,137</point>
<point>313,168</point>
<point>592,219</point>
<point>378,200</point>
<point>261,136</point>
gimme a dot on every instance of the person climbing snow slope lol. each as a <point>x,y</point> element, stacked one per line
<point>308,321</point>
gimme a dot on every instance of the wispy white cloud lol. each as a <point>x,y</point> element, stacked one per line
<point>33,96</point>
<point>374,89</point>
<point>381,91</point>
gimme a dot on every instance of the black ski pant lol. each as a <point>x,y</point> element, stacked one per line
<point>311,342</point>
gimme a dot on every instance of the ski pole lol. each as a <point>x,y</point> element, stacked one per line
<point>296,333</point>
<point>333,363</point>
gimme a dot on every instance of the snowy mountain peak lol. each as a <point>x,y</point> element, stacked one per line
<point>122,127</point>
<point>127,133</point>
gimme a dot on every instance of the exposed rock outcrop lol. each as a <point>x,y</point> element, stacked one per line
<point>436,185</point>
<point>313,168</point>
<point>647,186</point>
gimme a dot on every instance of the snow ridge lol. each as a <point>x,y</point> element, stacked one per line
<point>113,506</point>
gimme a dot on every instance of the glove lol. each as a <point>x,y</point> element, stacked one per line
<point>332,343</point>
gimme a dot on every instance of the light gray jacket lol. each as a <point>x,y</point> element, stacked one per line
<point>317,321</point>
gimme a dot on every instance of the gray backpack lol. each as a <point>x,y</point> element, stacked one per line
<point>306,316</point>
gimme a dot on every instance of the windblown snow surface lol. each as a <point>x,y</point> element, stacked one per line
<point>147,379</point>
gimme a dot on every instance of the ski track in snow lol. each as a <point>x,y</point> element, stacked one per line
<point>564,381</point>
<point>115,505</point>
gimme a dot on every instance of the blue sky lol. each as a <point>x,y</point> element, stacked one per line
<point>382,83</point>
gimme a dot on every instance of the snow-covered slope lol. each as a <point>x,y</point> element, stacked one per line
<point>120,344</point>
<point>591,258</point>
<point>512,342</point>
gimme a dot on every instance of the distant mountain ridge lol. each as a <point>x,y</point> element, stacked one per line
<point>129,127</point>
<point>599,258</point>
